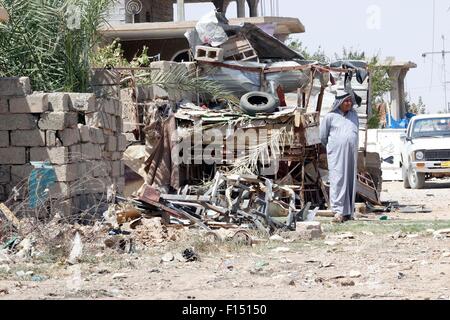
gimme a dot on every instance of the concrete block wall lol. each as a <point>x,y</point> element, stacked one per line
<point>79,134</point>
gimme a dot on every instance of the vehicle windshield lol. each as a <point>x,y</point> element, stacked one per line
<point>435,127</point>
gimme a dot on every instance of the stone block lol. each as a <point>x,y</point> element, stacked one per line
<point>35,103</point>
<point>90,151</point>
<point>15,86</point>
<point>18,121</point>
<point>309,230</point>
<point>105,77</point>
<point>97,135</point>
<point>106,105</point>
<point>12,155</point>
<point>4,106</point>
<point>61,190</point>
<point>4,139</point>
<point>20,174</point>
<point>97,120</point>
<point>82,102</point>
<point>113,155</point>
<point>58,120</point>
<point>106,91</point>
<point>85,133</point>
<point>111,143</point>
<point>5,174</point>
<point>122,142</point>
<point>69,136</point>
<point>98,168</point>
<point>68,172</point>
<point>75,153</point>
<point>28,138</point>
<point>58,102</point>
<point>117,168</point>
<point>55,155</point>
<point>52,139</point>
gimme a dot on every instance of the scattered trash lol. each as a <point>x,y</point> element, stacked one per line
<point>116,276</point>
<point>347,282</point>
<point>354,274</point>
<point>398,235</point>
<point>276,237</point>
<point>38,278</point>
<point>190,255</point>
<point>167,257</point>
<point>4,291</point>
<point>345,235</point>
<point>77,250</point>
<point>401,275</point>
<point>281,249</point>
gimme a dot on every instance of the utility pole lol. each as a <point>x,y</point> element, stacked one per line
<point>443,53</point>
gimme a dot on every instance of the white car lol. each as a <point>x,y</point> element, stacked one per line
<point>426,149</point>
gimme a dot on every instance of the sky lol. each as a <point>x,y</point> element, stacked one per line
<point>390,28</point>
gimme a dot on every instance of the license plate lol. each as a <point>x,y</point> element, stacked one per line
<point>445,164</point>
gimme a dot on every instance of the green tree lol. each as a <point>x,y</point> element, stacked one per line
<point>50,41</point>
<point>318,55</point>
<point>415,108</point>
<point>350,54</point>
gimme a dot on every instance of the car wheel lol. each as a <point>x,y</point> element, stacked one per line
<point>416,179</point>
<point>406,184</point>
<point>258,102</point>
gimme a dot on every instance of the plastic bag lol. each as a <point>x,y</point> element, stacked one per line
<point>210,31</point>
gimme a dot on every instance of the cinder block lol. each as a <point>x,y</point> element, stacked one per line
<point>12,155</point>
<point>28,138</point>
<point>15,86</point>
<point>98,185</point>
<point>111,143</point>
<point>90,151</point>
<point>120,184</point>
<point>105,77</point>
<point>83,102</point>
<point>35,103</point>
<point>68,172</point>
<point>55,155</point>
<point>97,135</point>
<point>18,122</point>
<point>106,91</point>
<point>97,120</point>
<point>61,190</point>
<point>116,168</point>
<point>204,53</point>
<point>3,106</point>
<point>20,174</point>
<point>5,174</point>
<point>58,120</point>
<point>106,105</point>
<point>51,139</point>
<point>75,153</point>
<point>85,134</point>
<point>122,142</point>
<point>119,107</point>
<point>113,155</point>
<point>58,102</point>
<point>98,168</point>
<point>69,136</point>
<point>119,124</point>
<point>4,139</point>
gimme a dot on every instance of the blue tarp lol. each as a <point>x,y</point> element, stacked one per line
<point>398,124</point>
<point>41,178</point>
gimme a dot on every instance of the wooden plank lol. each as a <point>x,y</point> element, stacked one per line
<point>10,215</point>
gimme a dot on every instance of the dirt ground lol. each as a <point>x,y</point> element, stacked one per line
<point>401,258</point>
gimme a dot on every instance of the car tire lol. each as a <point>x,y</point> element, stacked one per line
<point>416,179</point>
<point>406,184</point>
<point>258,102</point>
